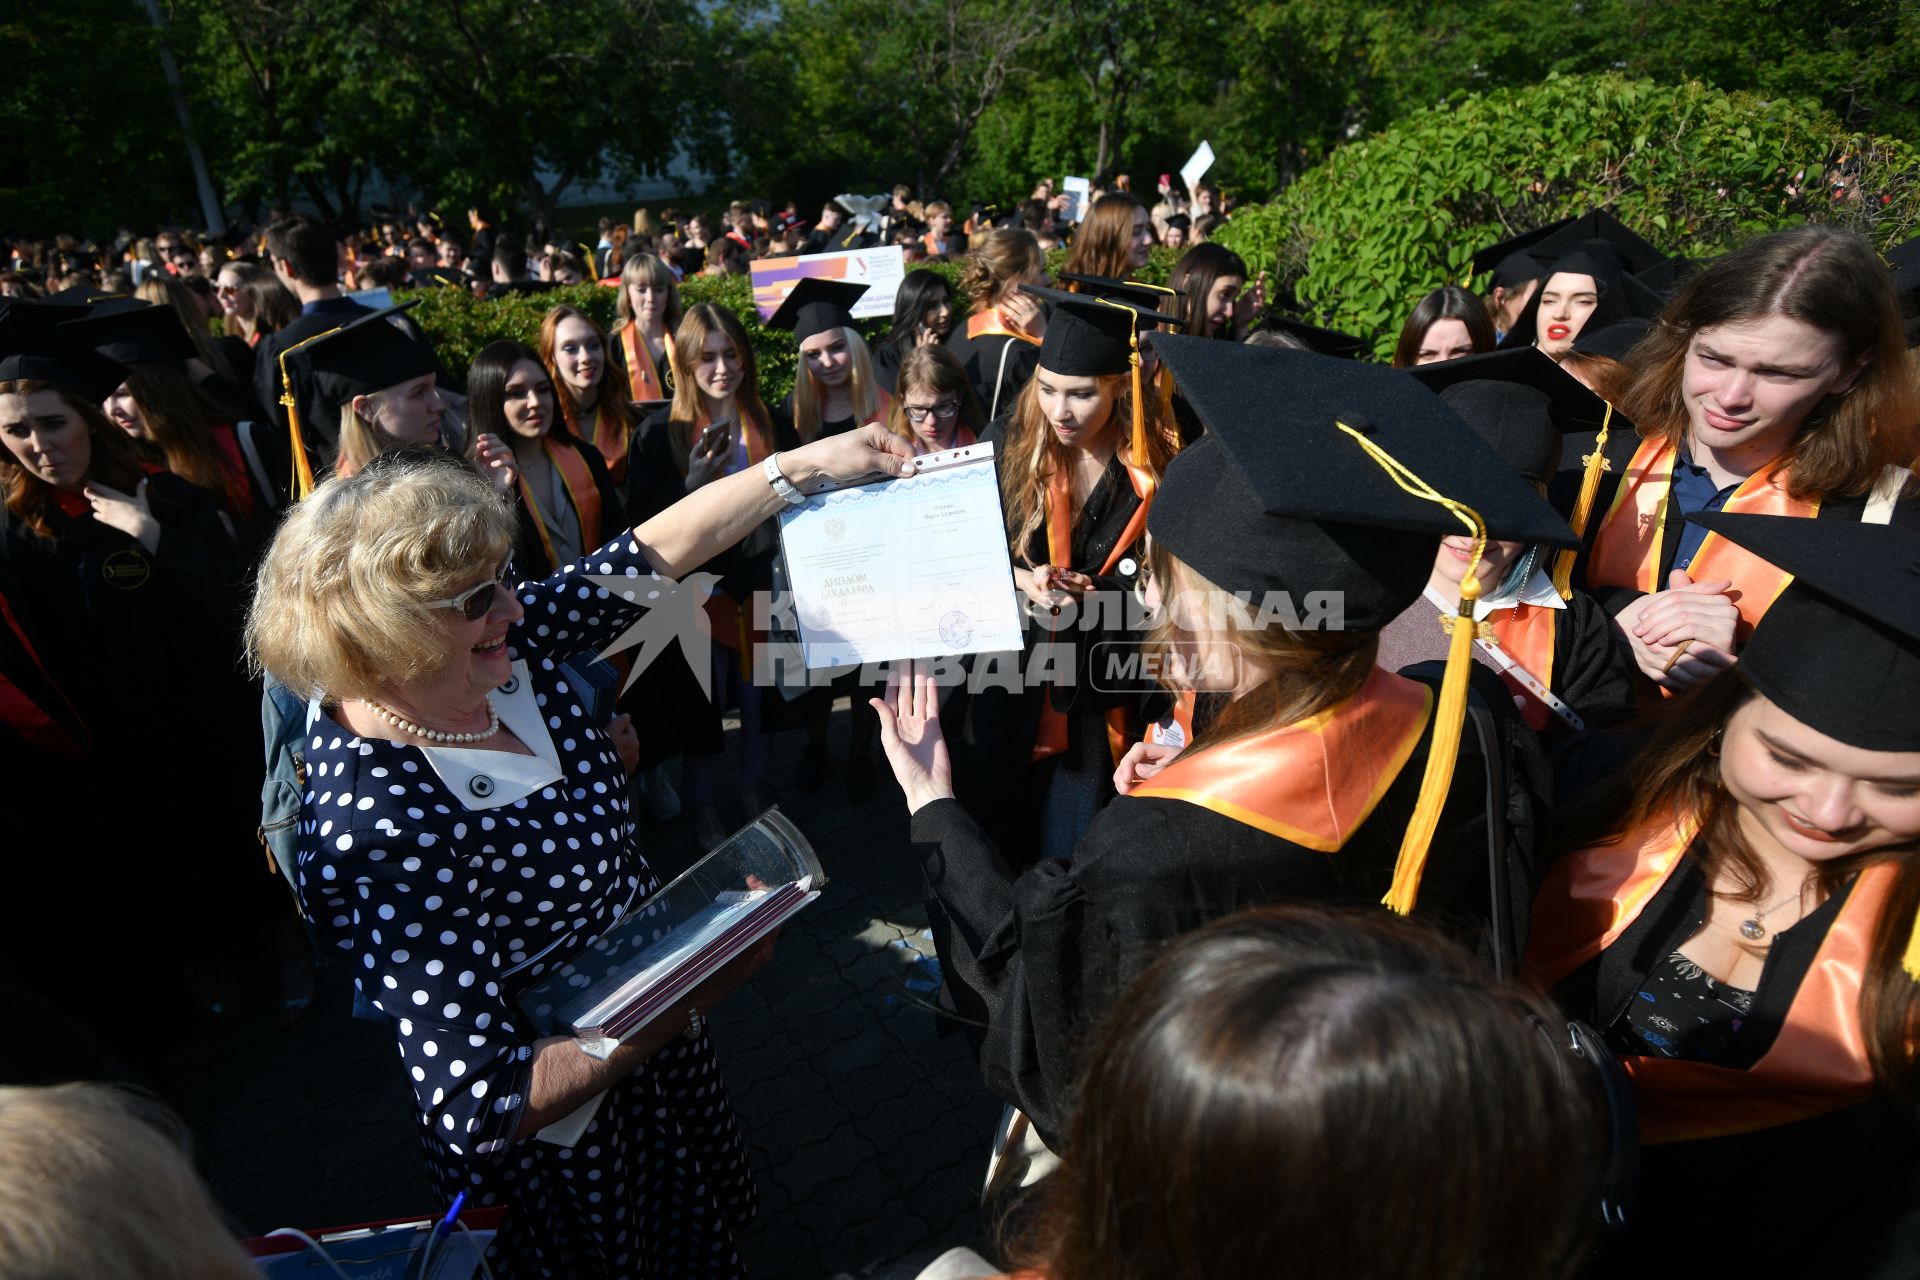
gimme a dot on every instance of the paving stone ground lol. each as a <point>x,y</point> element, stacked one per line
<point>868,1126</point>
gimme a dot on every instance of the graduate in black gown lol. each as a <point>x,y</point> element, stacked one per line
<point>1080,456</point>
<point>1313,775</point>
<point>1735,914</point>
<point>1551,644</point>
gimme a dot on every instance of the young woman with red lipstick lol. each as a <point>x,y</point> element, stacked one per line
<point>1778,381</point>
<point>1738,917</point>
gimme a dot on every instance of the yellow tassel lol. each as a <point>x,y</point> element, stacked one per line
<point>1596,463</point>
<point>1444,748</point>
<point>302,469</point>
<point>1166,397</point>
<point>1911,960</point>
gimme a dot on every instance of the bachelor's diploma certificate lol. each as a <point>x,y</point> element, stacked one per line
<point>912,567</point>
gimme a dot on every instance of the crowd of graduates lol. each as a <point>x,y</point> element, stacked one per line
<point>1450,816</point>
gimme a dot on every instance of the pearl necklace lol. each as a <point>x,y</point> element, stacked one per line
<point>435,735</point>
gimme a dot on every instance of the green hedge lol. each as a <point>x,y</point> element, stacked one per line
<point>1357,240</point>
<point>460,324</point>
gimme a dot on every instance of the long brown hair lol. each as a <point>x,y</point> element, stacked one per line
<point>688,413</point>
<point>612,399</point>
<point>998,262</point>
<point>1033,453</point>
<point>1298,1092</point>
<point>1678,774</point>
<point>180,418</point>
<point>116,462</point>
<point>1827,278</point>
<point>1194,276</point>
<point>1104,244</point>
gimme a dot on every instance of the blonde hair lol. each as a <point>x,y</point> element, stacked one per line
<point>997,262</point>
<point>341,609</point>
<point>95,1181</point>
<point>361,440</point>
<point>164,291</point>
<point>863,391</point>
<point>1033,453</point>
<point>644,268</point>
<point>688,412</point>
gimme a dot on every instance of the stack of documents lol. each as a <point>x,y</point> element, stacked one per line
<point>651,961</point>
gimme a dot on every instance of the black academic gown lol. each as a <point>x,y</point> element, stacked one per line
<point>994,775</point>
<point>982,358</point>
<point>1044,955</point>
<point>145,646</point>
<point>1835,1195</point>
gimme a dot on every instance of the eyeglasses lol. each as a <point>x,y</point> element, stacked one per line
<point>476,603</point>
<point>918,413</point>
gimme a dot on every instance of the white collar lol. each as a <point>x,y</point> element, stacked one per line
<point>483,779</point>
<point>1537,590</point>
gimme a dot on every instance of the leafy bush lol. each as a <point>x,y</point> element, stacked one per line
<point>1357,240</point>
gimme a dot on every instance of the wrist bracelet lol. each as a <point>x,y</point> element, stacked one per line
<point>781,485</point>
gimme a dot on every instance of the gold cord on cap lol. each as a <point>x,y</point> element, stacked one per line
<point>1444,749</point>
<point>302,469</point>
<point>1133,366</point>
<point>1596,463</point>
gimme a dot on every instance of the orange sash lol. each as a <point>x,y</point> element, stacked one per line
<point>1817,1064</point>
<point>1121,734</point>
<point>642,378</point>
<point>602,433</point>
<point>1627,549</point>
<point>1315,782</point>
<point>582,492</point>
<point>1525,632</point>
<point>985,324</point>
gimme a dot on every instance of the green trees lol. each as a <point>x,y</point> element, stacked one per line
<point>520,104</point>
<point>1359,238</point>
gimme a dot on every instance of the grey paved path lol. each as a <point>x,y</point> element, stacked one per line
<point>868,1129</point>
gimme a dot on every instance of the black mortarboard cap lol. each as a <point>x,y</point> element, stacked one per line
<point>1308,480</point>
<point>1086,337</point>
<point>79,295</point>
<point>1277,497</point>
<point>367,355</point>
<point>1621,297</point>
<point>1839,650</point>
<point>1326,342</point>
<point>134,332</point>
<point>1635,251</point>
<point>1613,340</point>
<point>1666,276</point>
<point>1502,253</point>
<point>1571,408</point>
<point>814,306</point>
<point>1156,305</point>
<point>1517,268</point>
<point>1180,220</point>
<point>33,350</point>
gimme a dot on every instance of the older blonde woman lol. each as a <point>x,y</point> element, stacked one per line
<point>465,827</point>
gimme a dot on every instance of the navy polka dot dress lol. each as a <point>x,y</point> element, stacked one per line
<point>450,907</point>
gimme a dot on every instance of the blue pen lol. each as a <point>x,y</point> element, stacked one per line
<point>453,1214</point>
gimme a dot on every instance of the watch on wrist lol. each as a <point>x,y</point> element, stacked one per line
<point>781,485</point>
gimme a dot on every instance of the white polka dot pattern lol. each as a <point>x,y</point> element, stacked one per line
<point>447,914</point>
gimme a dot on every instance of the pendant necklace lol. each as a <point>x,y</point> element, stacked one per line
<point>1752,930</point>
